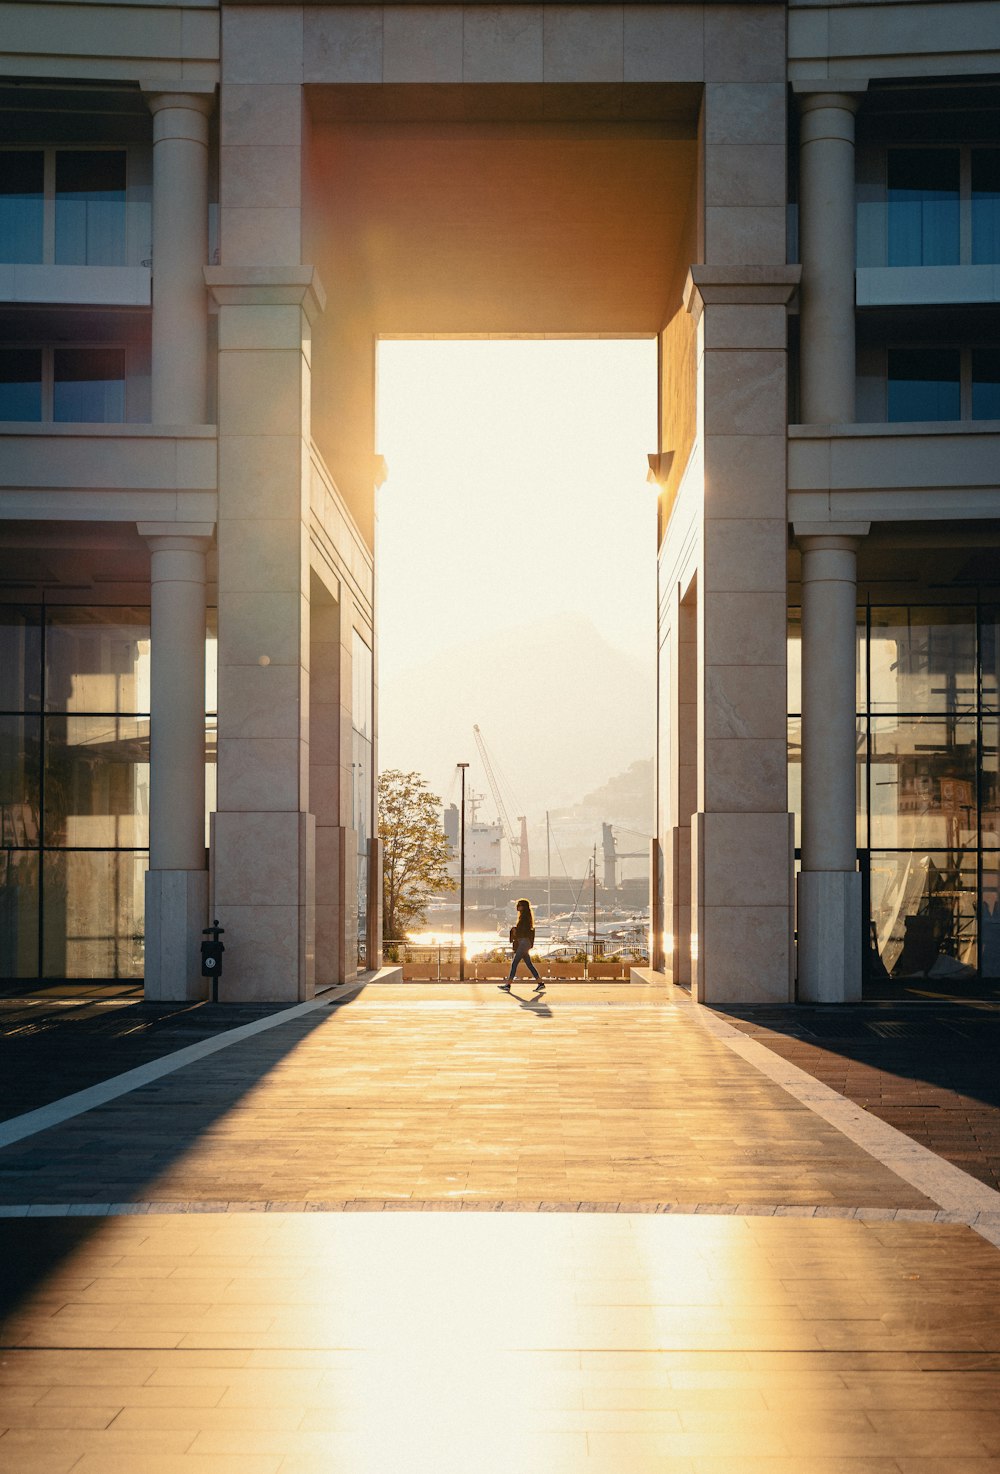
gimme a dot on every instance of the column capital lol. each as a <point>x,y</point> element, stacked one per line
<point>266,286</point>
<point>178,114</point>
<point>820,92</point>
<point>742,286</point>
<point>189,537</point>
<point>815,537</point>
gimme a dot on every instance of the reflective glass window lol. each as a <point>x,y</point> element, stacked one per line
<point>923,659</point>
<point>989,783</point>
<point>88,385</point>
<point>985,206</point>
<point>923,384</point>
<point>97,660</point>
<point>989,656</point>
<point>922,188</point>
<point>22,203</point>
<point>986,384</point>
<point>18,913</point>
<point>90,207</point>
<point>925,913</point>
<point>97,781</point>
<point>93,915</point>
<point>922,783</point>
<point>989,916</point>
<point>20,384</point>
<point>20,657</point>
<point>20,780</point>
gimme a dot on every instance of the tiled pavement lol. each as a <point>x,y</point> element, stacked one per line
<point>931,1069</point>
<point>250,1342</point>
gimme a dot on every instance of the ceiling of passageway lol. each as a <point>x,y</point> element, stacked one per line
<point>504,210</point>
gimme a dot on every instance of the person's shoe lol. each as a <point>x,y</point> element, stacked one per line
<point>504,987</point>
<point>539,987</point>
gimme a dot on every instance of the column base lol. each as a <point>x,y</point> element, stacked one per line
<point>741,907</point>
<point>265,897</point>
<point>829,936</point>
<point>176,912</point>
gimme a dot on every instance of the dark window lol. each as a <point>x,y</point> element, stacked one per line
<point>986,383</point>
<point>90,207</point>
<point>924,384</point>
<point>89,385</point>
<point>20,384</point>
<point>922,188</point>
<point>22,185</point>
<point>985,206</point>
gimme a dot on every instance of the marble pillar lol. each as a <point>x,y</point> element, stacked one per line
<point>177,879</point>
<point>741,837</point>
<point>180,251</point>
<point>829,892</point>
<point>826,248</point>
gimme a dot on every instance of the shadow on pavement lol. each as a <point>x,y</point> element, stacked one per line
<point>112,1154</point>
<point>931,1070</point>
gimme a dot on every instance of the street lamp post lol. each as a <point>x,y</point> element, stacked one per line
<point>461,882</point>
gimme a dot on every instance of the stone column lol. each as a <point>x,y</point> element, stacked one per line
<point>177,879</point>
<point>826,248</point>
<point>264,835</point>
<point>829,909</point>
<point>180,251</point>
<point>741,836</point>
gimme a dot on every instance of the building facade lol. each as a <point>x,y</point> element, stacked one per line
<point>209,214</point>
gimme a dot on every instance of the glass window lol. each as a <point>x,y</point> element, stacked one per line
<point>989,790</point>
<point>20,658</point>
<point>89,385</point>
<point>986,384</point>
<point>97,659</point>
<point>989,917</point>
<point>22,204</point>
<point>924,910</point>
<point>923,215</point>
<point>94,905</point>
<point>985,206</point>
<point>923,659</point>
<point>923,384</point>
<point>923,783</point>
<point>97,782</point>
<point>90,207</point>
<point>361,703</point>
<point>989,657</point>
<point>18,913</point>
<point>20,384</point>
<point>20,790</point>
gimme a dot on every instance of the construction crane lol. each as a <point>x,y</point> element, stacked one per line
<point>517,844</point>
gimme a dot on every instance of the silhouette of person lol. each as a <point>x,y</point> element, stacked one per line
<point>522,939</point>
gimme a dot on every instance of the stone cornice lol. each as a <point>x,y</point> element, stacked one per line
<point>267,286</point>
<point>740,286</point>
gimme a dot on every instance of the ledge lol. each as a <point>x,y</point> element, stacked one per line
<point>899,472</point>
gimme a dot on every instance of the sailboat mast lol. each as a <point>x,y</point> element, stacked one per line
<point>548,862</point>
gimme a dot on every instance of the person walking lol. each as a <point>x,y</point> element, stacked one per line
<point>522,939</point>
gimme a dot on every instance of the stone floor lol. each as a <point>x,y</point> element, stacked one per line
<point>739,1286</point>
<point>929,1068</point>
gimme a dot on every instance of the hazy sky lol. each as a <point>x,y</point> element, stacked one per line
<point>516,545</point>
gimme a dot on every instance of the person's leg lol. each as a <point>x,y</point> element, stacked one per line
<point>518,954</point>
<point>531,967</point>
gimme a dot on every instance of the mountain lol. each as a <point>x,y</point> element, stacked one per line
<point>559,708</point>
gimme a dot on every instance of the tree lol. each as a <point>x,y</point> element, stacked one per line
<point>415,850</point>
